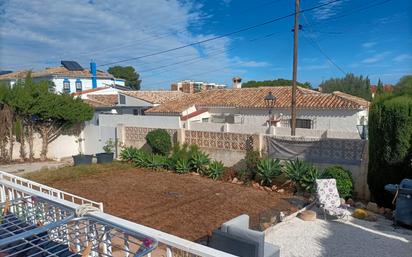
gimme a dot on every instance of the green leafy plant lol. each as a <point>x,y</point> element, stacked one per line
<point>178,152</point>
<point>156,161</point>
<point>109,146</point>
<point>267,169</point>
<point>159,141</point>
<point>216,169</point>
<point>199,162</point>
<point>252,159</point>
<point>182,166</point>
<point>303,174</point>
<point>343,177</point>
<point>128,153</point>
<point>140,158</point>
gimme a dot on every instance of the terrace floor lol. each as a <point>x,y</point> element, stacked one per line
<point>188,206</point>
<point>337,238</point>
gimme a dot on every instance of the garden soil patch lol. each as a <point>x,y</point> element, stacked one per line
<point>187,206</point>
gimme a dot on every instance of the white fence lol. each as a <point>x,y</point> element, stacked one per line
<point>169,245</point>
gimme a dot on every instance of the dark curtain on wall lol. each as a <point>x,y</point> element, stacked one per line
<point>342,151</point>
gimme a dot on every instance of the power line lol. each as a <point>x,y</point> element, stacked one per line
<point>317,45</point>
<point>223,35</point>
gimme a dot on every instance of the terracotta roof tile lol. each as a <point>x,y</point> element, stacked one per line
<point>102,100</point>
<point>87,91</point>
<point>253,98</point>
<point>155,97</point>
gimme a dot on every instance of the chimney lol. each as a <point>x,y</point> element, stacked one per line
<point>237,82</point>
<point>93,72</point>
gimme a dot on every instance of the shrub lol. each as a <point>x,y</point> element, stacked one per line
<point>243,175</point>
<point>252,159</point>
<point>182,166</point>
<point>140,158</point>
<point>159,141</point>
<point>303,174</point>
<point>109,146</point>
<point>343,177</point>
<point>267,169</point>
<point>156,161</point>
<point>228,174</point>
<point>390,144</point>
<point>178,152</point>
<point>128,153</point>
<point>215,169</point>
<point>199,162</point>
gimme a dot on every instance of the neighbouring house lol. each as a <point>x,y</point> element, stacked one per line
<point>386,88</point>
<point>189,86</point>
<point>334,114</point>
<point>70,77</point>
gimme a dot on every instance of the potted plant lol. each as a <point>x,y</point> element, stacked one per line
<point>81,158</point>
<point>107,156</point>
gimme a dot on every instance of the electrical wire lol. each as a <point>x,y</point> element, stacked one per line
<point>223,35</point>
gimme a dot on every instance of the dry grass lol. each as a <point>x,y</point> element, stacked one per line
<point>48,176</point>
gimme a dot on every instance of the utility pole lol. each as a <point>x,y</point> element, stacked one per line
<point>295,68</point>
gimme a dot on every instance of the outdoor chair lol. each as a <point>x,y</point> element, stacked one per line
<point>328,199</point>
<point>235,237</point>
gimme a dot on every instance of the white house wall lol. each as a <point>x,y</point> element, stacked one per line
<point>86,83</point>
<point>131,101</point>
<point>166,122</point>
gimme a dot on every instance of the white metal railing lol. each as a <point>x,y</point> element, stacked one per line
<point>48,190</point>
<point>168,245</point>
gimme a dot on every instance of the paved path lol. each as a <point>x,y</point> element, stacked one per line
<point>21,168</point>
<point>353,238</point>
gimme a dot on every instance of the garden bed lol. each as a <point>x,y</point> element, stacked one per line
<point>188,206</point>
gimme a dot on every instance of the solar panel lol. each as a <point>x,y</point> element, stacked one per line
<point>72,65</point>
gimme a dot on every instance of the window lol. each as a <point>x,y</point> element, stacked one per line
<point>78,85</point>
<point>66,86</point>
<point>205,119</point>
<point>304,123</point>
<point>136,112</point>
<point>122,99</point>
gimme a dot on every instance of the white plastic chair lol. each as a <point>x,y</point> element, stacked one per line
<point>329,200</point>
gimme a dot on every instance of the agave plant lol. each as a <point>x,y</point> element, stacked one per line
<point>199,162</point>
<point>156,161</point>
<point>309,179</point>
<point>216,169</point>
<point>267,169</point>
<point>140,158</point>
<point>182,166</point>
<point>128,153</point>
<point>295,170</point>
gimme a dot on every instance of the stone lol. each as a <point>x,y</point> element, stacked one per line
<point>360,213</point>
<point>281,191</point>
<point>371,217</point>
<point>274,187</point>
<point>268,189</point>
<point>307,215</point>
<point>350,202</point>
<point>360,205</point>
<point>373,207</point>
<point>381,210</point>
<point>255,185</point>
<point>235,180</point>
<point>342,201</point>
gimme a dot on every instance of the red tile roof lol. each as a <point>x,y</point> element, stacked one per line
<point>87,91</point>
<point>155,97</point>
<point>254,98</point>
<point>193,114</point>
<point>108,100</point>
<point>54,71</point>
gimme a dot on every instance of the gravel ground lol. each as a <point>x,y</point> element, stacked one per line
<point>22,168</point>
<point>352,238</point>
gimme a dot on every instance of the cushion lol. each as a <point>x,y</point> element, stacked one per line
<point>241,221</point>
<point>327,192</point>
<point>249,235</point>
<point>271,250</point>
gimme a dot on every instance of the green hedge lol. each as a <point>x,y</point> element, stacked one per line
<point>159,141</point>
<point>343,177</point>
<point>390,144</point>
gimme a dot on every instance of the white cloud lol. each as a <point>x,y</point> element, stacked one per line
<point>328,10</point>
<point>402,57</point>
<point>45,32</point>
<point>376,58</point>
<point>369,44</point>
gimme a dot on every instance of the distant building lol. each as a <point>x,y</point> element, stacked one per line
<point>189,86</point>
<point>70,77</point>
<point>386,88</point>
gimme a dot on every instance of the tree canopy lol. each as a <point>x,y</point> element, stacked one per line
<point>354,85</point>
<point>273,83</point>
<point>127,73</point>
<point>404,86</point>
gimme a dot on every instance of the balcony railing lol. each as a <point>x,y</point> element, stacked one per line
<point>13,187</point>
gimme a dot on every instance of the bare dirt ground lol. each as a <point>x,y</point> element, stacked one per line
<point>187,206</point>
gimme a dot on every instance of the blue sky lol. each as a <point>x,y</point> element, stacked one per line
<point>365,40</point>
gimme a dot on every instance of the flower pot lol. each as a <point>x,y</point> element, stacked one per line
<point>82,159</point>
<point>104,157</point>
